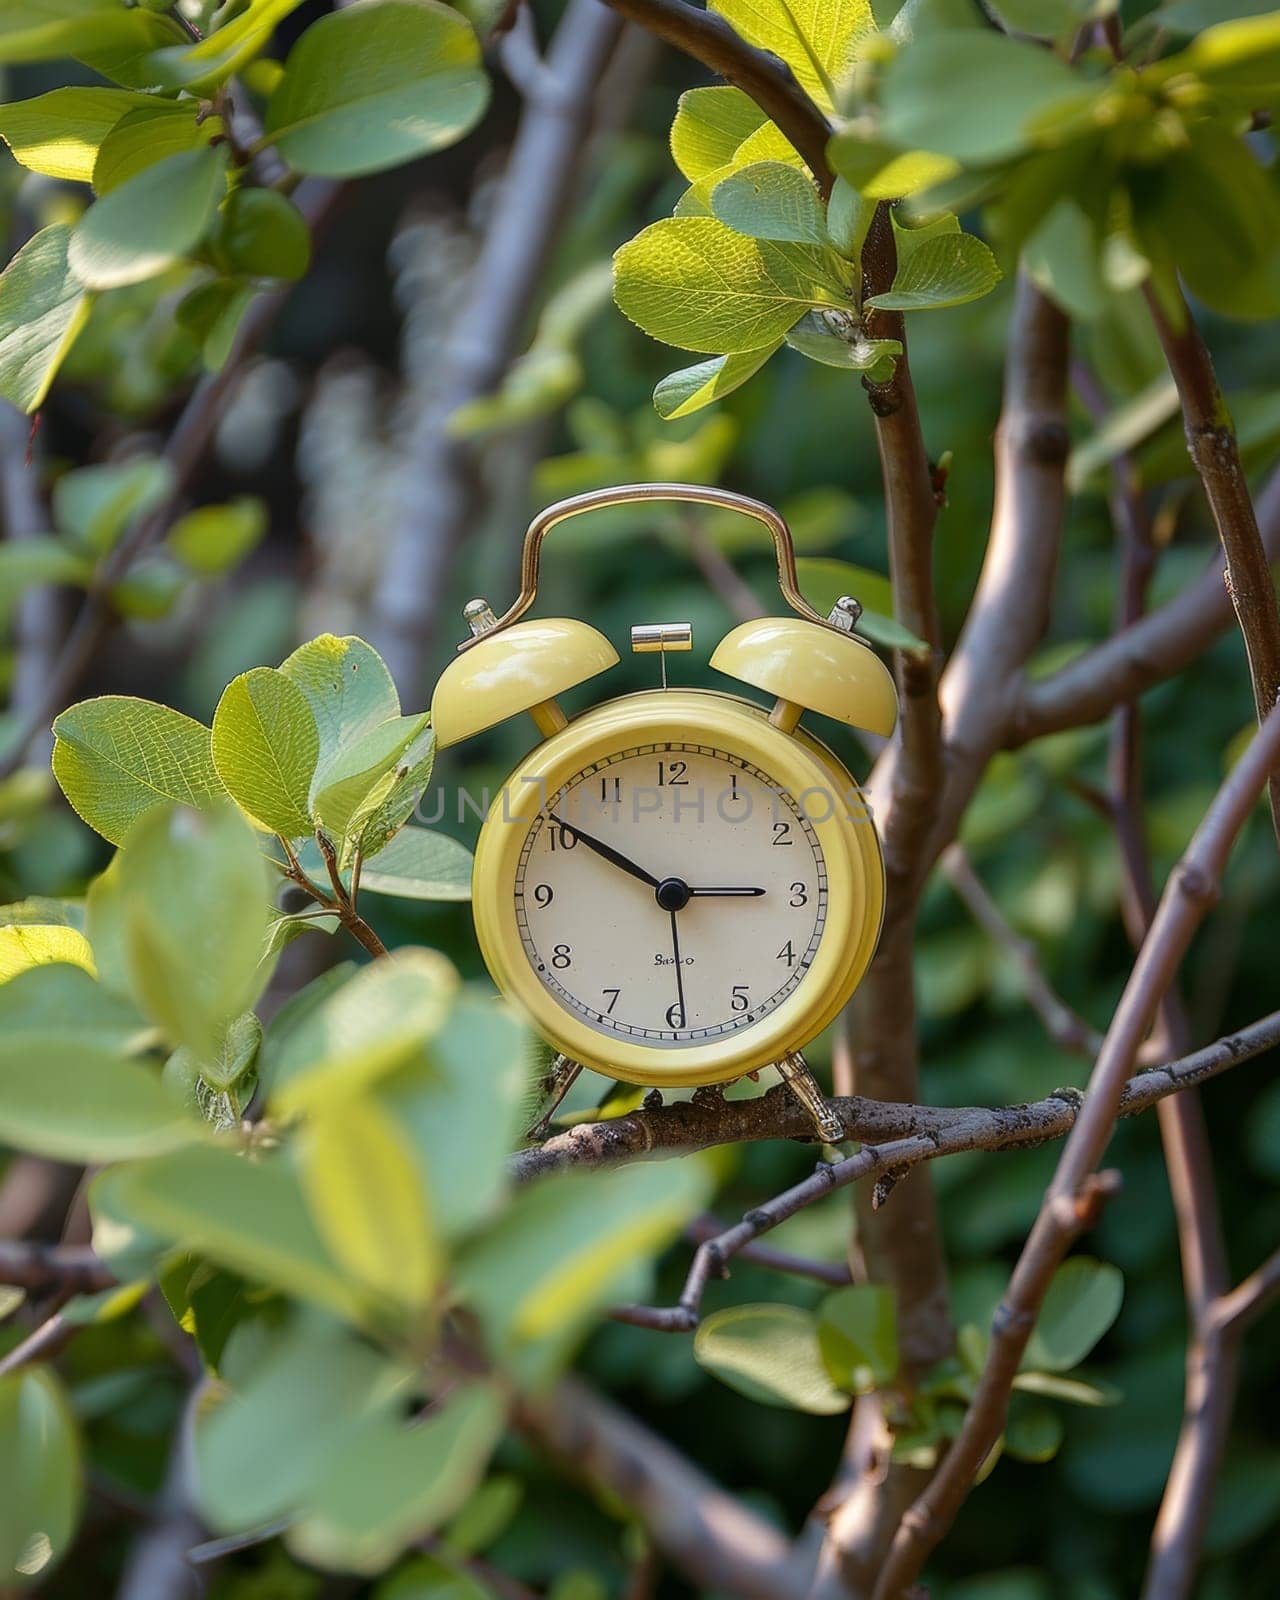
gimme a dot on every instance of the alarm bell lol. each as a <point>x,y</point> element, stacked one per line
<point>813,668</point>
<point>520,669</point>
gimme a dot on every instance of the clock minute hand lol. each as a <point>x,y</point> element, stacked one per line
<point>738,893</point>
<point>606,850</point>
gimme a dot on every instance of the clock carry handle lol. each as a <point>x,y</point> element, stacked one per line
<point>632,494</point>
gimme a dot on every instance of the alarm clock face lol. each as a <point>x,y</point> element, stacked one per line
<point>676,890</point>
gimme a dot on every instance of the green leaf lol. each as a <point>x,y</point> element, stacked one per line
<point>769,200</point>
<point>462,1122</point>
<point>148,223</point>
<point>709,126</point>
<point>771,1354</point>
<point>1129,425</point>
<point>116,758</point>
<point>59,133</point>
<point>148,135</point>
<point>212,314</point>
<point>236,1054</point>
<point>949,270</point>
<point>542,1270</point>
<point>930,103</point>
<point>375,86</point>
<point>370,1026</point>
<point>692,282</point>
<point>392,801</point>
<point>41,1475</point>
<point>817,39</point>
<point>681,393</point>
<point>844,345</point>
<point>858,1337</point>
<point>39,30</point>
<point>1082,1303</point>
<point>880,171</point>
<point>349,780</point>
<point>63,1005</point>
<point>247,1215</point>
<point>349,688</point>
<point>1072,1391</point>
<point>420,865</point>
<point>825,581</point>
<point>84,1104</point>
<point>43,307</point>
<point>262,234</point>
<point>1033,1432</point>
<point>194,898</point>
<point>259,1452</point>
<point>93,506</point>
<point>368,1200</point>
<point>225,50</point>
<point>43,559</point>
<point>119,47</point>
<point>265,747</point>
<point>29,945</point>
<point>391,1485</point>
<point>849,217</point>
<point>213,539</point>
<point>1043,19</point>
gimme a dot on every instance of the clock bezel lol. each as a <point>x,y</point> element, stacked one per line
<point>795,760</point>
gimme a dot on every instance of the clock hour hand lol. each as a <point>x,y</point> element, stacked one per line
<point>606,850</point>
<point>739,893</point>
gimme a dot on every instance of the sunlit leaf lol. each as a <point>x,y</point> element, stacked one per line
<point>769,200</point>
<point>59,133</point>
<point>150,221</point>
<point>681,393</point>
<point>43,307</point>
<point>117,758</point>
<point>265,747</point>
<point>709,126</point>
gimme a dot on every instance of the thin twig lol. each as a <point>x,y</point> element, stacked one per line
<point>1074,1193</point>
<point>708,38</point>
<point>1244,1304</point>
<point>834,1273</point>
<point>73,1268</point>
<point>1064,1026</point>
<point>1215,455</point>
<point>42,1345</point>
<point>342,903</point>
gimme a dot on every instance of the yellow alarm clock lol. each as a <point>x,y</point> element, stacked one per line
<point>679,886</point>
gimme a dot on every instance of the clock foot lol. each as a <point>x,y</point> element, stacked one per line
<point>793,1069</point>
<point>561,1077</point>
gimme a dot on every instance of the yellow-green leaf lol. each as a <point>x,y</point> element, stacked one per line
<point>215,57</point>
<point>148,134</point>
<point>770,1353</point>
<point>367,1198</point>
<point>368,1027</point>
<point>947,270</point>
<point>32,945</point>
<point>770,200</point>
<point>43,306</point>
<point>818,39</point>
<point>149,222</point>
<point>59,133</point>
<point>686,391</point>
<point>117,757</point>
<point>265,748</point>
<point>692,282</point>
<point>709,126</point>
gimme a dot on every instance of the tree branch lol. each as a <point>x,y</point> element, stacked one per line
<point>687,1125</point>
<point>714,1539</point>
<point>1160,645</point>
<point>1215,455</point>
<point>440,490</point>
<point>1076,1190</point>
<point>709,39</point>
<point>1063,1025</point>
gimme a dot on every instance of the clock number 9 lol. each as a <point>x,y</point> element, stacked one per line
<point>543,894</point>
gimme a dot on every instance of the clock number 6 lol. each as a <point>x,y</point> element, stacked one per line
<point>675,1016</point>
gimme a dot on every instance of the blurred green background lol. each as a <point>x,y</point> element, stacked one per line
<point>317,427</point>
